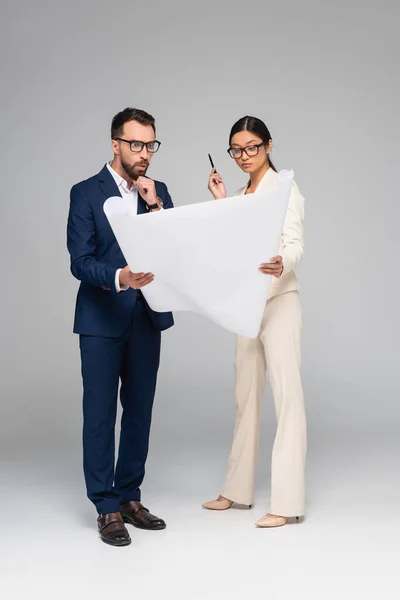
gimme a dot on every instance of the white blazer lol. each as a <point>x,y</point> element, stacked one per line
<point>292,242</point>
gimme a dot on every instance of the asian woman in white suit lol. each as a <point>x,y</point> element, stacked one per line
<point>276,350</point>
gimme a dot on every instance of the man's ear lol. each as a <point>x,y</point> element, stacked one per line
<point>115,146</point>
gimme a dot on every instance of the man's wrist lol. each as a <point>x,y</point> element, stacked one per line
<point>156,205</point>
<point>119,286</point>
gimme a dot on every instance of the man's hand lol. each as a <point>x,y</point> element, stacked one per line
<point>147,190</point>
<point>134,280</point>
<point>274,267</point>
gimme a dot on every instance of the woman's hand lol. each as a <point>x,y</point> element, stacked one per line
<point>273,267</point>
<point>216,185</point>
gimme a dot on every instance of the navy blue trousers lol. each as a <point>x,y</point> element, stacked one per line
<point>132,359</point>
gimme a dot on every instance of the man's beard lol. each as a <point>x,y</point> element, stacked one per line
<point>132,170</point>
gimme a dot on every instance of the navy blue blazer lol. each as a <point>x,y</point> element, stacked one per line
<point>96,256</point>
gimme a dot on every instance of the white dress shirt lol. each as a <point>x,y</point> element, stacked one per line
<point>130,199</point>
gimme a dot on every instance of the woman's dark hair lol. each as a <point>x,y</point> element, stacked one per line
<point>255,126</point>
<point>130,114</point>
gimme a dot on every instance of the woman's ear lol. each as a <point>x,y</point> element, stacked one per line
<point>269,147</point>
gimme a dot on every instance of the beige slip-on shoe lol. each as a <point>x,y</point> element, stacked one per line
<point>273,521</point>
<point>219,504</point>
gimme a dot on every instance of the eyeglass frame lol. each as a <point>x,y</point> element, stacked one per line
<point>140,142</point>
<point>258,146</point>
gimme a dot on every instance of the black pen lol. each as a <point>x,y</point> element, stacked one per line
<point>212,166</point>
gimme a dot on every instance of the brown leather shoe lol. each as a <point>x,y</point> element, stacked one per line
<point>112,529</point>
<point>136,514</point>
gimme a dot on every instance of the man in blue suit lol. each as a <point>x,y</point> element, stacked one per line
<point>120,335</point>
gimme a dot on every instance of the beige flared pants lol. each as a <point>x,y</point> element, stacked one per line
<point>276,349</point>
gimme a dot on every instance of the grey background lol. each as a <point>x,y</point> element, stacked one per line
<point>324,77</point>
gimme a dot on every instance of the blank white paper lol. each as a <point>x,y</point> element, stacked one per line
<point>205,257</point>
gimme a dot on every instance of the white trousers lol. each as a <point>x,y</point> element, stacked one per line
<point>277,348</point>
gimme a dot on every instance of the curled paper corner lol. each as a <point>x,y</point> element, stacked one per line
<point>285,175</point>
<point>114,207</point>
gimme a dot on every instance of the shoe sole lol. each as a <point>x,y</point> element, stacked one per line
<point>270,526</point>
<point>217,509</point>
<point>225,508</point>
<point>157,528</point>
<point>117,544</point>
<point>288,522</point>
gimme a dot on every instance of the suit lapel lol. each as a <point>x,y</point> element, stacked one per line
<point>268,182</point>
<point>107,183</point>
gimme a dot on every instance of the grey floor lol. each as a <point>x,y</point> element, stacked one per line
<point>347,546</point>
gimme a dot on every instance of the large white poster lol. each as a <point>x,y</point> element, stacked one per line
<point>205,257</point>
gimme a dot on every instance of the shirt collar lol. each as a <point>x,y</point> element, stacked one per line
<point>120,181</point>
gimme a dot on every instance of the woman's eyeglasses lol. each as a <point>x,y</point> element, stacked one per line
<point>249,150</point>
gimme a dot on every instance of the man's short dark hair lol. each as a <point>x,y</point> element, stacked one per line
<point>130,114</point>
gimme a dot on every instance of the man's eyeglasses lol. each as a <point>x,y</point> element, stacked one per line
<point>249,150</point>
<point>137,146</point>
